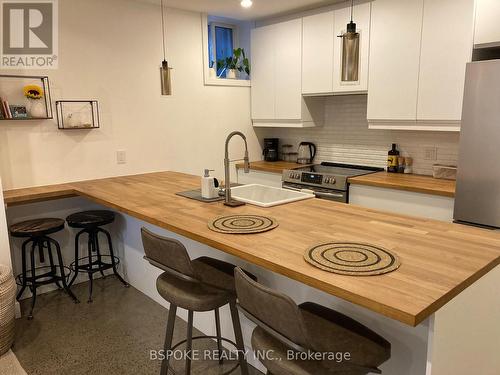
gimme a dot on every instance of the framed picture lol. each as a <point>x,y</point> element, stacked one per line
<point>18,111</point>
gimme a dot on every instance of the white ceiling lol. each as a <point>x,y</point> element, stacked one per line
<point>232,8</point>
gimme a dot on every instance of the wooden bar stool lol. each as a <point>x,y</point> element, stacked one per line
<point>37,233</point>
<point>90,222</point>
<point>203,284</point>
<point>307,328</point>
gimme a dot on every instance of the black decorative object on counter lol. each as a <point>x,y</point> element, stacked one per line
<point>77,114</point>
<point>29,99</point>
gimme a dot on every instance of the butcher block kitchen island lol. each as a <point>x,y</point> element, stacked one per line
<point>439,260</point>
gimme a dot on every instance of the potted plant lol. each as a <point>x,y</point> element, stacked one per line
<point>238,62</point>
<point>212,71</point>
<point>34,94</point>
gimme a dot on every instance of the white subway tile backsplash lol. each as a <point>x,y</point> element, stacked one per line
<point>345,138</point>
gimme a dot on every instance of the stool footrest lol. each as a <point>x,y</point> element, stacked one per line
<point>95,266</point>
<point>50,276</point>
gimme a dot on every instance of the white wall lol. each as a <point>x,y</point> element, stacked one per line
<point>111,50</point>
<point>4,235</point>
<point>345,138</point>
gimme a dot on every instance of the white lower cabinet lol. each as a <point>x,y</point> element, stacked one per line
<point>402,202</point>
<point>259,177</point>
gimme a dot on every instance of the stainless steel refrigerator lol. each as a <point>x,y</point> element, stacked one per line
<point>477,198</point>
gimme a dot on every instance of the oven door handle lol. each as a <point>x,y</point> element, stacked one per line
<point>328,195</point>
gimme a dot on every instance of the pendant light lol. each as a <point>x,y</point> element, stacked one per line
<point>166,84</point>
<point>350,51</point>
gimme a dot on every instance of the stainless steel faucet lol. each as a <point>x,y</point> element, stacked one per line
<point>228,201</point>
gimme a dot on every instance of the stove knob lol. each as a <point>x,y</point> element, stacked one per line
<point>332,180</point>
<point>326,180</point>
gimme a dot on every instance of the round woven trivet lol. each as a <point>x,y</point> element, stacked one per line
<point>351,258</point>
<point>242,224</point>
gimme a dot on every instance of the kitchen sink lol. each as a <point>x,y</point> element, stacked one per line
<point>267,196</point>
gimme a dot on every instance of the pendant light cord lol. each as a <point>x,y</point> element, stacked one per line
<point>163,31</point>
<point>352,7</point>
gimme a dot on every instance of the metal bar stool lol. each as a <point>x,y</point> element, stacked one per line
<point>90,222</point>
<point>307,328</point>
<point>203,284</point>
<point>36,231</point>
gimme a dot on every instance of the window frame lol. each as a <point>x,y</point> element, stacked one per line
<point>210,81</point>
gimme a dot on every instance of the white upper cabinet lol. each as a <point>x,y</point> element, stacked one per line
<point>394,59</point>
<point>361,16</point>
<point>277,78</point>
<point>322,50</point>
<point>418,53</point>
<point>446,48</point>
<point>317,54</point>
<point>487,31</point>
<point>263,85</point>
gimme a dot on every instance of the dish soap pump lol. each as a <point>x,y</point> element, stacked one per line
<point>209,185</point>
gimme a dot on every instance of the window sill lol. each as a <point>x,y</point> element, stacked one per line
<point>227,82</point>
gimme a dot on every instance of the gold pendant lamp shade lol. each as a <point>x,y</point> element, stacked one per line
<point>165,74</point>
<point>350,52</point>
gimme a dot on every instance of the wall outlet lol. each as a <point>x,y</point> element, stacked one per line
<point>121,157</point>
<point>430,153</point>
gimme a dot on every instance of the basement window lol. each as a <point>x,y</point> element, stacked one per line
<point>226,47</point>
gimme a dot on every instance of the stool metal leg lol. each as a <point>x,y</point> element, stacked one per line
<point>219,335</point>
<point>23,255</point>
<point>51,261</point>
<point>238,337</point>
<point>172,314</point>
<point>189,342</point>
<point>89,269</point>
<point>98,251</point>
<point>61,268</point>
<point>111,253</point>
<point>77,252</point>
<point>33,279</point>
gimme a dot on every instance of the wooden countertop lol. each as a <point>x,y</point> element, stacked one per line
<point>272,166</point>
<point>408,182</point>
<point>439,259</point>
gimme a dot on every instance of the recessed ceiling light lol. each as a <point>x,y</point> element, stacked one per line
<point>246,3</point>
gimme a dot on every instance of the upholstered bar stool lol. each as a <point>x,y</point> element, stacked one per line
<point>37,233</point>
<point>308,328</point>
<point>203,284</point>
<point>90,222</point>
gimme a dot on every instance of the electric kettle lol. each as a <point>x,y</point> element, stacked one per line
<point>306,153</point>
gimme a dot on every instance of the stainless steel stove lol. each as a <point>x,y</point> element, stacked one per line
<point>327,180</point>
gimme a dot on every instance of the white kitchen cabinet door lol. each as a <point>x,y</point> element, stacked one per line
<point>395,36</point>
<point>444,55</point>
<point>288,70</point>
<point>487,31</point>
<point>263,76</point>
<point>361,16</point>
<point>318,39</point>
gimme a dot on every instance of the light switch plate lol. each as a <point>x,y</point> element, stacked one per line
<point>121,157</point>
<point>430,153</point>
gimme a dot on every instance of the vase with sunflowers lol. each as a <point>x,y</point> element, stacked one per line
<point>36,107</point>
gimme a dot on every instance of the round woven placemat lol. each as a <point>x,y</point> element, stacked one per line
<point>351,258</point>
<point>242,224</point>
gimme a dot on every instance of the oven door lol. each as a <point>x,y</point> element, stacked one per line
<point>329,194</point>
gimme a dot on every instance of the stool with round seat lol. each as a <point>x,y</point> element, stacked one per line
<point>90,222</point>
<point>37,233</point>
<point>203,284</point>
<point>307,339</point>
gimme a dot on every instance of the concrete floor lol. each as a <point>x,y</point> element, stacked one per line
<point>112,335</point>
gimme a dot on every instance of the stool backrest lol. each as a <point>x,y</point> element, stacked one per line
<point>168,254</point>
<point>276,313</point>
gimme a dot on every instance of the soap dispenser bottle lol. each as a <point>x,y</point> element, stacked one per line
<point>209,185</point>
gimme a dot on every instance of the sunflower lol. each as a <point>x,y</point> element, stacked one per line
<point>33,92</point>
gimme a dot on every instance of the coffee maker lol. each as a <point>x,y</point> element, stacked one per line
<point>271,149</point>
